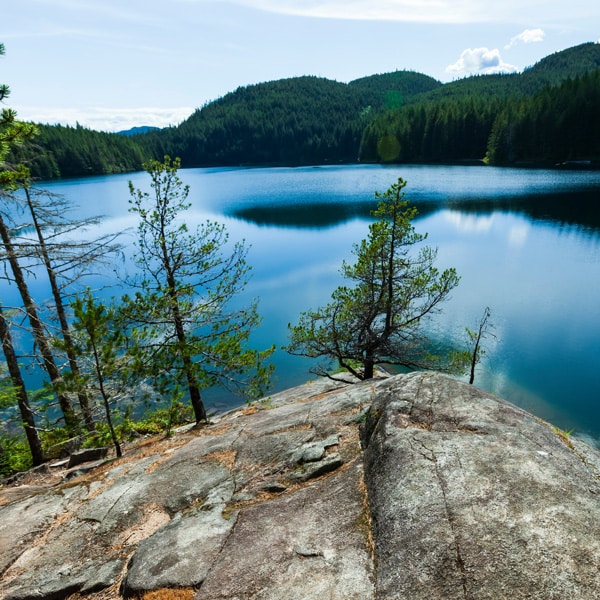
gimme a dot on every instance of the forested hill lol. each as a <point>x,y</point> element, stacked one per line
<point>548,114</point>
<point>292,121</point>
<point>550,71</point>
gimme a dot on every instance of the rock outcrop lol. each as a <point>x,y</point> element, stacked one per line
<point>414,486</point>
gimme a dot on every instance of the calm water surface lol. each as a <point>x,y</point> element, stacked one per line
<point>525,242</point>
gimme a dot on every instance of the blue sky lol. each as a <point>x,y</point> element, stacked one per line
<point>113,64</point>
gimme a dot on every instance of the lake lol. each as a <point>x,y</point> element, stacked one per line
<point>526,243</point>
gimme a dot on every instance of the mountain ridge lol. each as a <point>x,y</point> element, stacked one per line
<point>401,116</point>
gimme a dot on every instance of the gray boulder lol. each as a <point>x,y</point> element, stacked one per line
<point>414,486</point>
<point>472,497</point>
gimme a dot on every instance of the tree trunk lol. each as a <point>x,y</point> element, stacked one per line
<point>473,363</point>
<point>105,397</point>
<point>197,405</point>
<point>62,317</point>
<point>480,334</point>
<point>369,368</point>
<point>193,387</point>
<point>37,327</point>
<point>12,363</point>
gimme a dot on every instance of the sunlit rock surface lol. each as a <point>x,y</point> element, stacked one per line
<point>451,494</point>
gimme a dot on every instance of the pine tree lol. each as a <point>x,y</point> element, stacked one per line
<point>102,364</point>
<point>181,320</point>
<point>12,133</point>
<point>379,318</point>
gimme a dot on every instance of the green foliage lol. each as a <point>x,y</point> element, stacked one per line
<point>565,436</point>
<point>557,124</point>
<point>15,455</point>
<point>155,422</point>
<point>547,114</point>
<point>560,66</point>
<point>164,419</point>
<point>8,393</point>
<point>54,440</point>
<point>13,133</point>
<point>98,345</point>
<point>184,335</point>
<point>292,121</point>
<point>78,151</point>
<point>378,319</point>
<point>444,130</point>
<point>391,90</point>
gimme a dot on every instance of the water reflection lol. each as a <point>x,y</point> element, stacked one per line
<point>576,208</point>
<point>330,197</point>
<point>526,243</point>
<point>310,216</point>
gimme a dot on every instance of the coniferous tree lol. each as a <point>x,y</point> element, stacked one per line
<point>38,329</point>
<point>20,391</point>
<point>98,345</point>
<point>65,260</point>
<point>379,319</point>
<point>181,318</point>
<point>12,133</point>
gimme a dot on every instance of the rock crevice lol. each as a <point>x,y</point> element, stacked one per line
<point>416,486</point>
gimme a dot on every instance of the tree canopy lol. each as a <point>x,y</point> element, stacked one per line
<point>181,318</point>
<point>379,318</point>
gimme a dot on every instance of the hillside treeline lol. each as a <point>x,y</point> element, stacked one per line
<point>545,115</point>
<point>304,120</point>
<point>60,151</point>
<point>558,124</point>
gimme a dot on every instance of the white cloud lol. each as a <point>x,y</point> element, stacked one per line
<point>529,36</point>
<point>105,119</point>
<point>427,11</point>
<point>438,11</point>
<point>481,61</point>
<point>470,223</point>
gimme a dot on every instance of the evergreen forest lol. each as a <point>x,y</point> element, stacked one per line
<point>545,116</point>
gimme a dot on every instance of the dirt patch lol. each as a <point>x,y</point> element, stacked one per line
<point>225,457</point>
<point>154,518</point>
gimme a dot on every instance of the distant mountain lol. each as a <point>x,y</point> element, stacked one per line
<point>315,120</point>
<point>569,63</point>
<point>552,70</point>
<point>138,130</point>
<point>392,90</point>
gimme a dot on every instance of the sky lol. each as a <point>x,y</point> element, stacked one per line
<point>114,64</point>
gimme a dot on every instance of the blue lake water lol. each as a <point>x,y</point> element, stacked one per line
<point>526,243</point>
